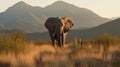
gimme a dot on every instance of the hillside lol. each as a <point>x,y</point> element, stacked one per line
<point>26,17</point>
<point>111,27</point>
<point>21,16</point>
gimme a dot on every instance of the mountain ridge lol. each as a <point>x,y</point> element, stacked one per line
<point>24,16</point>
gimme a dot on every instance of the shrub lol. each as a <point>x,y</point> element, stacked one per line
<point>107,39</point>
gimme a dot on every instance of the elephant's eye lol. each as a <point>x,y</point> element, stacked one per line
<point>72,24</point>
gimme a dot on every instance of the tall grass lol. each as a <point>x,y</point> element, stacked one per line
<point>14,42</point>
<point>107,39</point>
<point>41,54</point>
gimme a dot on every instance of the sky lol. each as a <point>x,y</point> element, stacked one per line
<point>104,8</point>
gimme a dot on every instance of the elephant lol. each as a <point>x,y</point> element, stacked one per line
<point>58,28</point>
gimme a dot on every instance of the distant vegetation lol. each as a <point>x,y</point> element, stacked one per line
<point>107,39</point>
<point>16,42</point>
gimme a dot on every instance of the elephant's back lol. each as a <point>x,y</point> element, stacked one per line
<point>51,21</point>
<point>49,24</point>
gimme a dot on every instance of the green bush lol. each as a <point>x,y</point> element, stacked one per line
<point>107,39</point>
<point>14,42</point>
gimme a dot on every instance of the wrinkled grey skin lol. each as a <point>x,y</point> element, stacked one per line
<point>58,29</point>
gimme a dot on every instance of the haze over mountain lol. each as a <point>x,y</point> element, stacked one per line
<point>111,27</point>
<point>31,19</point>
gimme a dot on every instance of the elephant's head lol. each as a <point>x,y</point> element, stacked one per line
<point>67,23</point>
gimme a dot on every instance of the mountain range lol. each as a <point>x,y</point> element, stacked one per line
<point>31,19</point>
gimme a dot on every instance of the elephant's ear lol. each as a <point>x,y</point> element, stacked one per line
<point>62,21</point>
<point>69,20</point>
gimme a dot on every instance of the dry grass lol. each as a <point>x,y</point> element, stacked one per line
<point>45,55</point>
<point>103,51</point>
<point>26,59</point>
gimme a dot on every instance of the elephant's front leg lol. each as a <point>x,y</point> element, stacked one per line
<point>62,39</point>
<point>52,38</point>
<point>59,40</point>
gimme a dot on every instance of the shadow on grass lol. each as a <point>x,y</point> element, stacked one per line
<point>4,64</point>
